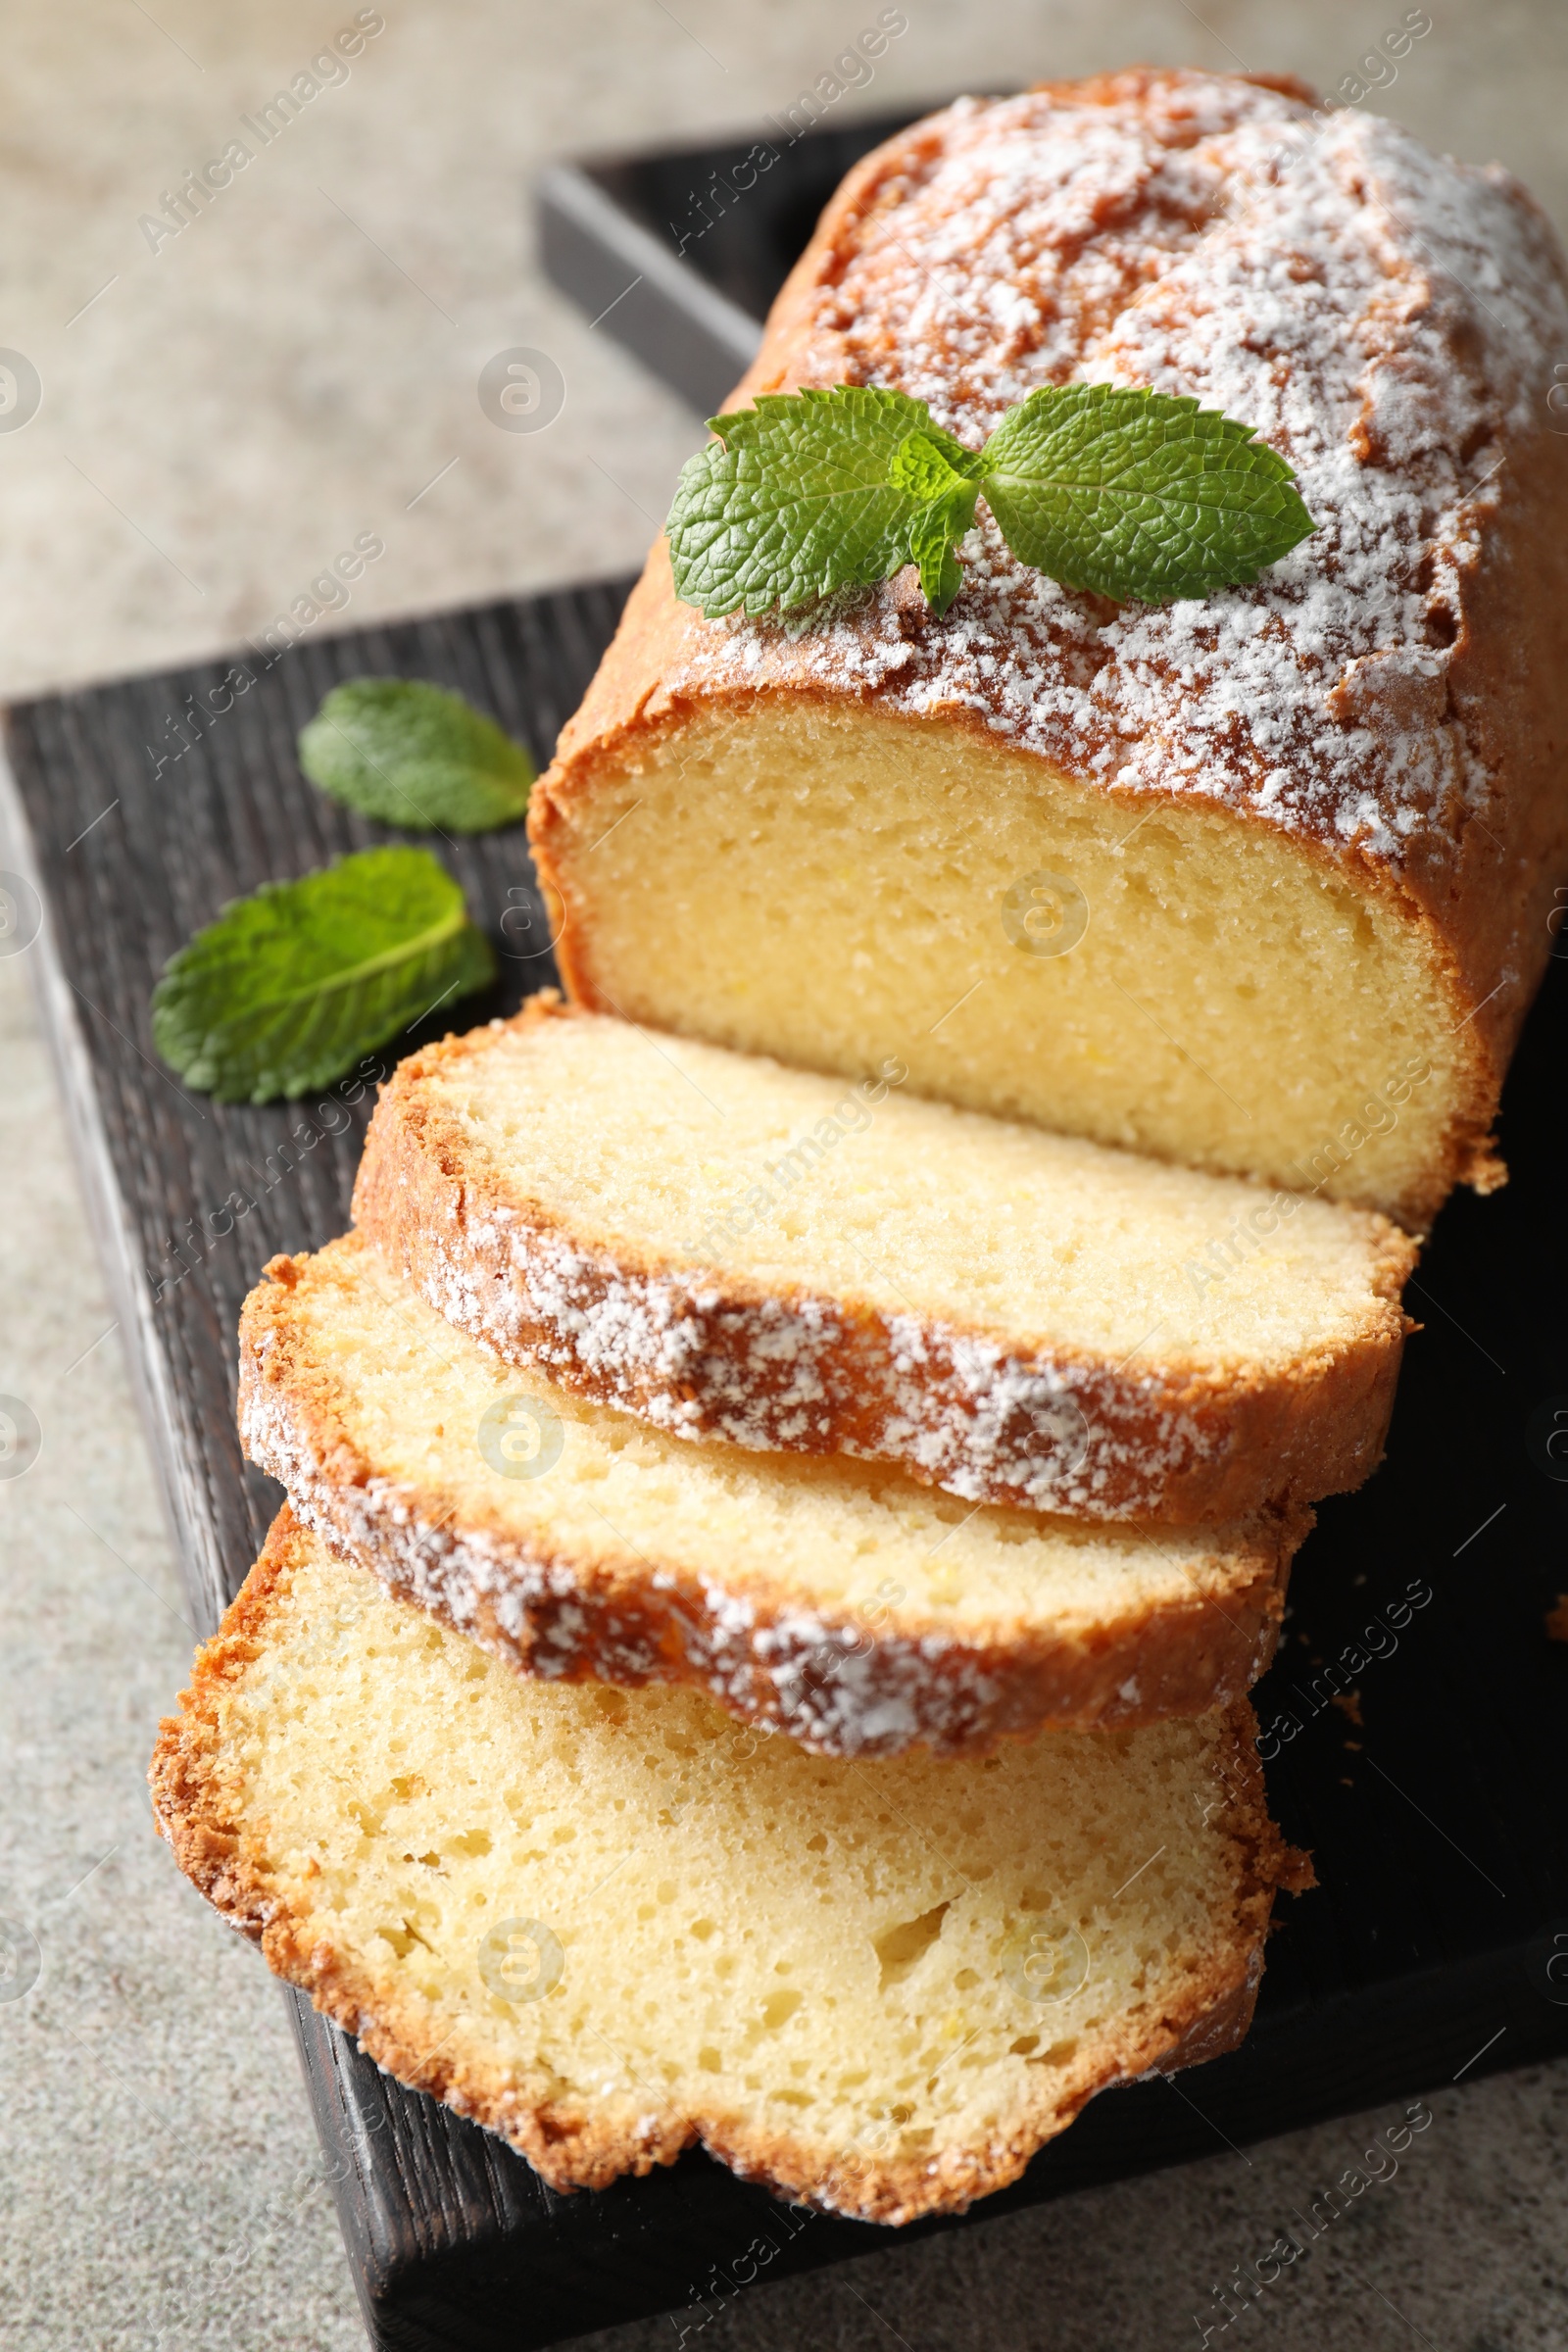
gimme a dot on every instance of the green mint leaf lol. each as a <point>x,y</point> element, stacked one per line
<point>930,465</point>
<point>413,754</point>
<point>946,490</point>
<point>1137,494</point>
<point>931,545</point>
<point>798,499</point>
<point>290,987</point>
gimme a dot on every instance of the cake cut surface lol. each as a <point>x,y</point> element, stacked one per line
<point>609,1924</point>
<point>1257,882</point>
<point>733,1249</point>
<point>844,1604</point>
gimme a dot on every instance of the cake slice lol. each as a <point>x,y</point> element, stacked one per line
<point>608,1924</point>
<point>839,1603</point>
<point>1261,882</point>
<point>732,1249</point>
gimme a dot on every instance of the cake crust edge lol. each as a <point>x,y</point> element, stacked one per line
<point>810,1671</point>
<point>1198,1448</point>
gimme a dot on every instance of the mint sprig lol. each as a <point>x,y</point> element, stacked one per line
<point>415,755</point>
<point>1128,493</point>
<point>291,986</point>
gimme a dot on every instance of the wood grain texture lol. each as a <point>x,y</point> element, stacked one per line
<point>1438,1840</point>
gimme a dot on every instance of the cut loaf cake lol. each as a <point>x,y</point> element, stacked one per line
<point>1261,882</point>
<point>608,1924</point>
<point>838,1602</point>
<point>732,1249</point>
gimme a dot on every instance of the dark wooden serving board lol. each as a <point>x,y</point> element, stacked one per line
<point>1428,1951</point>
<point>679,253</point>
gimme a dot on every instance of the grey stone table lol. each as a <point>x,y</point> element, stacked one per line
<point>218,413</point>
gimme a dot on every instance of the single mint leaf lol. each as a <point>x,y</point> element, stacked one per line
<point>947,492</point>
<point>798,499</point>
<point>930,465</point>
<point>415,755</point>
<point>1139,494</point>
<point>931,545</point>
<point>290,987</point>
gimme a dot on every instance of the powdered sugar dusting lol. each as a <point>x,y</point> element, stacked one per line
<point>1381,317</point>
<point>796,1373</point>
<point>813,1673</point>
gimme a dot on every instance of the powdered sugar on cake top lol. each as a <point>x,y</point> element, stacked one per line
<point>1385,319</point>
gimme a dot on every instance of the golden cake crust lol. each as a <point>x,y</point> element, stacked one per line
<point>618,1615</point>
<point>1391,696</point>
<point>1159,1439</point>
<point>197,1806</point>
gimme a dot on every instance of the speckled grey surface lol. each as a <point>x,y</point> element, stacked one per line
<point>229,410</point>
